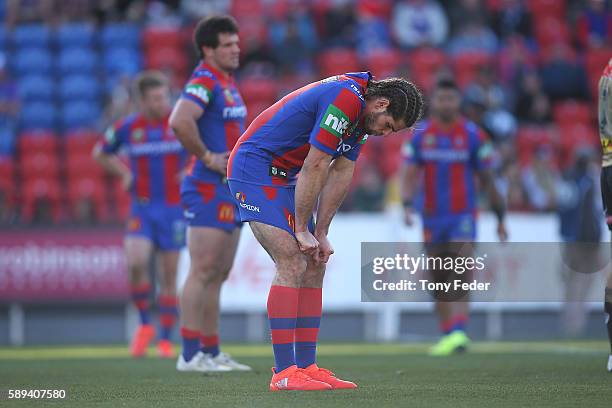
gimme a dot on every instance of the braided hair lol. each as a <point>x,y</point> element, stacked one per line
<point>405,99</point>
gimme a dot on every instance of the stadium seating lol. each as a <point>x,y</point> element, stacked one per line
<point>120,35</point>
<point>383,62</point>
<point>424,63</point>
<point>31,35</point>
<point>80,142</point>
<point>161,58</point>
<point>547,8</point>
<point>37,142</point>
<point>41,189</point>
<point>79,114</point>
<point>573,112</point>
<point>467,66</point>
<point>89,189</point>
<point>32,61</point>
<point>336,61</point>
<point>163,38</point>
<point>121,199</point>
<point>44,165</point>
<point>38,115</point>
<point>36,88</point>
<point>79,35</point>
<point>259,91</point>
<point>7,180</point>
<point>550,31</point>
<point>79,87</point>
<point>77,61</point>
<point>530,138</point>
<point>122,61</point>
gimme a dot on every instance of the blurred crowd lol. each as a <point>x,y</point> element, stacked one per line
<point>528,71</point>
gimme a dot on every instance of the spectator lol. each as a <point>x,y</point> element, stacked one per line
<point>293,41</point>
<point>31,11</point>
<point>528,86</point>
<point>372,34</point>
<point>541,179</point>
<point>340,25</point>
<point>515,57</point>
<point>9,108</point>
<point>512,18</point>
<point>160,14</point>
<point>594,25</point>
<point>562,76</point>
<point>419,23</point>
<point>473,38</point>
<point>465,11</point>
<point>539,112</point>
<point>195,10</point>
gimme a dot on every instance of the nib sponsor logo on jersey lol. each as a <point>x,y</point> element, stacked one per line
<point>241,202</point>
<point>234,112</point>
<point>335,121</point>
<point>199,91</point>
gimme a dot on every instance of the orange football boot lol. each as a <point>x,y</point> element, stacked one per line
<point>143,336</point>
<point>294,379</point>
<point>165,349</point>
<point>321,374</point>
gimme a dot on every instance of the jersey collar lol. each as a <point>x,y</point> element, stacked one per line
<point>221,76</point>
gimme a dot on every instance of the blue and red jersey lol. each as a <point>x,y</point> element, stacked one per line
<point>156,157</point>
<point>223,119</point>
<point>326,114</point>
<point>450,157</point>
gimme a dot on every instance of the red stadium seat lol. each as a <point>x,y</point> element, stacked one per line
<point>257,91</point>
<point>7,180</point>
<point>571,112</point>
<point>161,58</point>
<point>530,138</point>
<point>39,165</point>
<point>574,136</point>
<point>595,61</point>
<point>467,66</point>
<point>37,141</point>
<point>163,38</point>
<point>545,8</point>
<point>254,109</point>
<point>336,61</point>
<point>384,62</point>
<point>82,165</point>
<point>81,142</point>
<point>424,65</point>
<point>550,31</point>
<point>88,188</point>
<point>36,189</point>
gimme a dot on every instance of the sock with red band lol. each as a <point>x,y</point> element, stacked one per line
<point>282,314</point>
<point>454,324</point>
<point>140,296</point>
<point>191,343</point>
<point>168,313</point>
<point>210,345</point>
<point>307,325</point>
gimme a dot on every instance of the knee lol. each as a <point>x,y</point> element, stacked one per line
<point>292,267</point>
<point>208,272</point>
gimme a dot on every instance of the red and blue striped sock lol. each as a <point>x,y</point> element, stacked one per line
<point>168,313</point>
<point>140,296</point>
<point>282,314</point>
<point>191,343</point>
<point>455,323</point>
<point>210,345</point>
<point>307,326</point>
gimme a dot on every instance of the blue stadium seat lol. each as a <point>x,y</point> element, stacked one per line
<point>2,39</point>
<point>80,114</point>
<point>31,35</point>
<point>38,115</point>
<point>76,35</point>
<point>122,61</point>
<point>82,87</point>
<point>32,60</point>
<point>77,60</point>
<point>120,35</point>
<point>36,87</point>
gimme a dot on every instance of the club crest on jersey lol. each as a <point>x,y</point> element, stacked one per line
<point>335,121</point>
<point>240,197</point>
<point>137,134</point>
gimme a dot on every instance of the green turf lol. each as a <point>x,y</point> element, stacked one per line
<point>559,374</point>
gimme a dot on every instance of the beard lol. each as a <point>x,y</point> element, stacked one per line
<point>369,121</point>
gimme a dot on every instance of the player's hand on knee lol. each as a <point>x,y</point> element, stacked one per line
<point>308,243</point>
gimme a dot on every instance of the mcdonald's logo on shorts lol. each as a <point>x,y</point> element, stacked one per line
<point>134,224</point>
<point>225,213</point>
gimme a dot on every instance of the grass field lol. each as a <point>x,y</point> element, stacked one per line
<point>559,374</point>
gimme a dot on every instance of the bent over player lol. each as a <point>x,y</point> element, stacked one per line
<point>605,134</point>
<point>318,131</point>
<point>156,160</point>
<point>208,119</point>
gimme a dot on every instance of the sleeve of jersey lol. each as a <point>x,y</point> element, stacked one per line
<point>199,90</point>
<point>410,150</point>
<point>114,137</point>
<point>336,115</point>
<point>483,154</point>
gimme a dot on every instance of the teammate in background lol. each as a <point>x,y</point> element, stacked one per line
<point>156,160</point>
<point>452,151</point>
<point>208,119</point>
<point>318,131</point>
<point>605,134</point>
